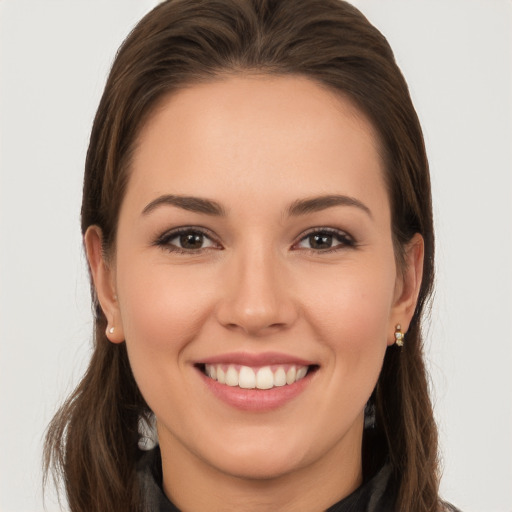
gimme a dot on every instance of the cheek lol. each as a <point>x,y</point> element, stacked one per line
<point>162,310</point>
<point>350,318</point>
<point>161,301</point>
<point>352,306</point>
<point>156,309</point>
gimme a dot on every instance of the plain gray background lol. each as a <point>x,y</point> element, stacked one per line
<point>456,56</point>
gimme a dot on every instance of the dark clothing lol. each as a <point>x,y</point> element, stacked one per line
<point>375,495</point>
<point>378,494</point>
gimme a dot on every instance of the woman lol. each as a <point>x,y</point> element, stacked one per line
<point>257,219</point>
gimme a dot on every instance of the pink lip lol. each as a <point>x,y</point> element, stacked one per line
<point>248,359</point>
<point>256,400</point>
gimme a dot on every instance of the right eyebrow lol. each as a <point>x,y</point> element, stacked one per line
<point>189,203</point>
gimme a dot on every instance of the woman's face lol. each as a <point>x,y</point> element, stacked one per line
<point>254,245</point>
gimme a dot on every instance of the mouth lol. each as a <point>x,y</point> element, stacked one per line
<point>256,382</point>
<point>256,377</point>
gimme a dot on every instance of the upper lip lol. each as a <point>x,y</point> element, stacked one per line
<point>251,359</point>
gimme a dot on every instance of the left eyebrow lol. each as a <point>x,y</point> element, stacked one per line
<point>316,204</point>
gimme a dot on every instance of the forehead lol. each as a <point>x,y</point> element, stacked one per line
<point>256,135</point>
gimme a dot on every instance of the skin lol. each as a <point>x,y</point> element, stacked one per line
<point>255,145</point>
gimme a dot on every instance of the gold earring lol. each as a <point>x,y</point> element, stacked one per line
<point>399,335</point>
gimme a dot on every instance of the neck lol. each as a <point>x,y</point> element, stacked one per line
<point>193,484</point>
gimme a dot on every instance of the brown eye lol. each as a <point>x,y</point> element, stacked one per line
<point>325,240</point>
<point>186,240</point>
<point>320,241</point>
<point>191,241</point>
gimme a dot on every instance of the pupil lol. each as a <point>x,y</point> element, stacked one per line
<point>320,241</point>
<point>191,241</point>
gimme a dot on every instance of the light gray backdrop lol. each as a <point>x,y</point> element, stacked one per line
<point>456,56</point>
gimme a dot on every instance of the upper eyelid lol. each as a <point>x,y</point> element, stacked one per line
<point>174,232</point>
<point>184,229</point>
<point>324,229</point>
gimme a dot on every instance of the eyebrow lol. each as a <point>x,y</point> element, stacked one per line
<point>192,204</point>
<point>297,208</point>
<point>316,204</point>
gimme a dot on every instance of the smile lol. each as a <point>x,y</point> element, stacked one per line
<point>256,382</point>
<point>247,377</point>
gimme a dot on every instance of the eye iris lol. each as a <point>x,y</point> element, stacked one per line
<point>191,240</point>
<point>320,241</point>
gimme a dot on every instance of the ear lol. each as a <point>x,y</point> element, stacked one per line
<point>407,286</point>
<point>104,283</point>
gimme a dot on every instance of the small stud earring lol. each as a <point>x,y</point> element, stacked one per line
<point>399,335</point>
<point>111,330</point>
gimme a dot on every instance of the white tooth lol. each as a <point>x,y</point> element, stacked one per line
<point>280,377</point>
<point>213,371</point>
<point>265,378</point>
<point>232,376</point>
<point>290,375</point>
<point>221,376</point>
<point>246,378</point>
<point>210,371</point>
<point>301,372</point>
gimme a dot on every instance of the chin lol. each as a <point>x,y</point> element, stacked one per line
<point>260,461</point>
<point>263,467</point>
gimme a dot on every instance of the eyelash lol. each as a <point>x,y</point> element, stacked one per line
<point>344,239</point>
<point>164,241</point>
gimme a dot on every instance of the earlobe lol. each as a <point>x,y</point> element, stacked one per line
<point>408,286</point>
<point>104,283</point>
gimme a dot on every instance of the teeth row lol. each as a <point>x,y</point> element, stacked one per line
<point>262,378</point>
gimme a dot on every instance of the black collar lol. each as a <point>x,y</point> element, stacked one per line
<point>375,495</point>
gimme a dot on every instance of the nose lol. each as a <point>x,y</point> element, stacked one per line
<point>257,296</point>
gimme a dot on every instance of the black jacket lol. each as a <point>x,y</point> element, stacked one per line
<point>375,495</point>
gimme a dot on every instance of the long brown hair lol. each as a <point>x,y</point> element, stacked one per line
<point>92,441</point>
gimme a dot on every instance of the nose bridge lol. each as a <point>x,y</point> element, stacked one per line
<point>256,297</point>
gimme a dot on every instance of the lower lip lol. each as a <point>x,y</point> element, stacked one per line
<point>256,399</point>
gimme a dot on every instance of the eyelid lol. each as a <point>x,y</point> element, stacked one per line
<point>347,239</point>
<point>164,239</point>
